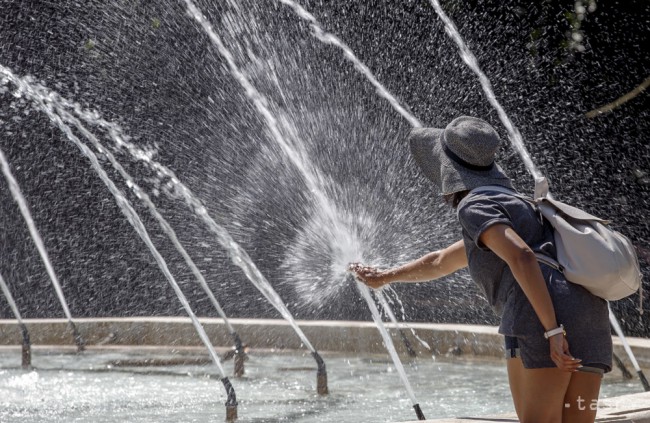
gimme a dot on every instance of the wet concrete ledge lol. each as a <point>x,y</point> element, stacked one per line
<point>325,335</point>
<point>334,336</point>
<point>339,336</point>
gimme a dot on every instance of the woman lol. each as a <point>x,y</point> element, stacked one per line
<point>557,335</point>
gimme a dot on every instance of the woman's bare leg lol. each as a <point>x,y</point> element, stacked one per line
<point>515,375</point>
<point>538,394</point>
<point>582,398</point>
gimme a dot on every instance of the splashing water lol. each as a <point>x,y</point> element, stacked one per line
<point>388,341</point>
<point>237,254</point>
<point>387,308</point>
<point>468,57</point>
<point>340,238</point>
<point>329,38</point>
<point>36,237</point>
<point>42,101</point>
<point>10,300</point>
<point>319,241</point>
<point>313,178</point>
<point>144,197</point>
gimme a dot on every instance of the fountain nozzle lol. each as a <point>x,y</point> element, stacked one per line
<point>78,339</point>
<point>644,381</point>
<point>321,375</point>
<point>231,402</point>
<point>418,412</point>
<point>240,355</point>
<point>27,348</point>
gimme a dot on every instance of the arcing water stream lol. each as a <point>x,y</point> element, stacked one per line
<point>468,57</point>
<point>24,210</point>
<point>26,347</point>
<point>324,37</point>
<point>42,101</point>
<point>312,178</point>
<point>144,197</point>
<point>332,39</point>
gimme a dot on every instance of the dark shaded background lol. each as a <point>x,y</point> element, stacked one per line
<point>145,65</point>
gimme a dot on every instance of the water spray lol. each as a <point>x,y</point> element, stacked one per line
<point>24,210</point>
<point>239,350</point>
<point>27,345</point>
<point>622,367</point>
<point>388,342</point>
<point>134,219</point>
<point>240,257</point>
<point>384,304</point>
<point>237,254</point>
<point>329,38</point>
<point>628,350</point>
<point>468,57</point>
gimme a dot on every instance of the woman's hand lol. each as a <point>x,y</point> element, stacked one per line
<point>560,354</point>
<point>371,276</point>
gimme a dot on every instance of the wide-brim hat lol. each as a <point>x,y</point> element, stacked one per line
<point>459,157</point>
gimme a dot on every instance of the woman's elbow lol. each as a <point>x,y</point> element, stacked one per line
<point>523,258</point>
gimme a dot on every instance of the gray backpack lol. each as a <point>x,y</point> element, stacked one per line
<point>589,253</point>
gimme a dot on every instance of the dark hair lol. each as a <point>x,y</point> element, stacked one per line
<point>454,199</point>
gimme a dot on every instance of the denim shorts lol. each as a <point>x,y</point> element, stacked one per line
<point>536,355</point>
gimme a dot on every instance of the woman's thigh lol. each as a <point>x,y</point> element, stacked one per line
<point>581,398</point>
<point>538,394</point>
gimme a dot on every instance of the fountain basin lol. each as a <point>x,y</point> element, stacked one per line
<point>155,368</point>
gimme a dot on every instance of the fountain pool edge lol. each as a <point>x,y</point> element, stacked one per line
<point>346,337</point>
<point>327,335</point>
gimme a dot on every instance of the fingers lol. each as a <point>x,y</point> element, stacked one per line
<point>561,356</point>
<point>354,267</point>
<point>367,275</point>
<point>566,362</point>
<point>361,271</point>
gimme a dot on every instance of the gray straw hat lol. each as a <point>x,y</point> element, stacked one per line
<point>459,157</point>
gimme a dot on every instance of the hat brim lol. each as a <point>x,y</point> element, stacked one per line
<point>456,177</point>
<point>450,177</point>
<point>425,149</point>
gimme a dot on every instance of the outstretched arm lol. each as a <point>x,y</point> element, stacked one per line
<point>431,266</point>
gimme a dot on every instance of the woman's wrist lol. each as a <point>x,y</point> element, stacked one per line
<point>386,277</point>
<point>556,331</point>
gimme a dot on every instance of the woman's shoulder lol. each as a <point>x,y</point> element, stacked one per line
<point>489,204</point>
<point>489,196</point>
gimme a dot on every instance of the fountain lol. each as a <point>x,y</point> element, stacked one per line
<point>24,210</point>
<point>26,356</point>
<point>285,201</point>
